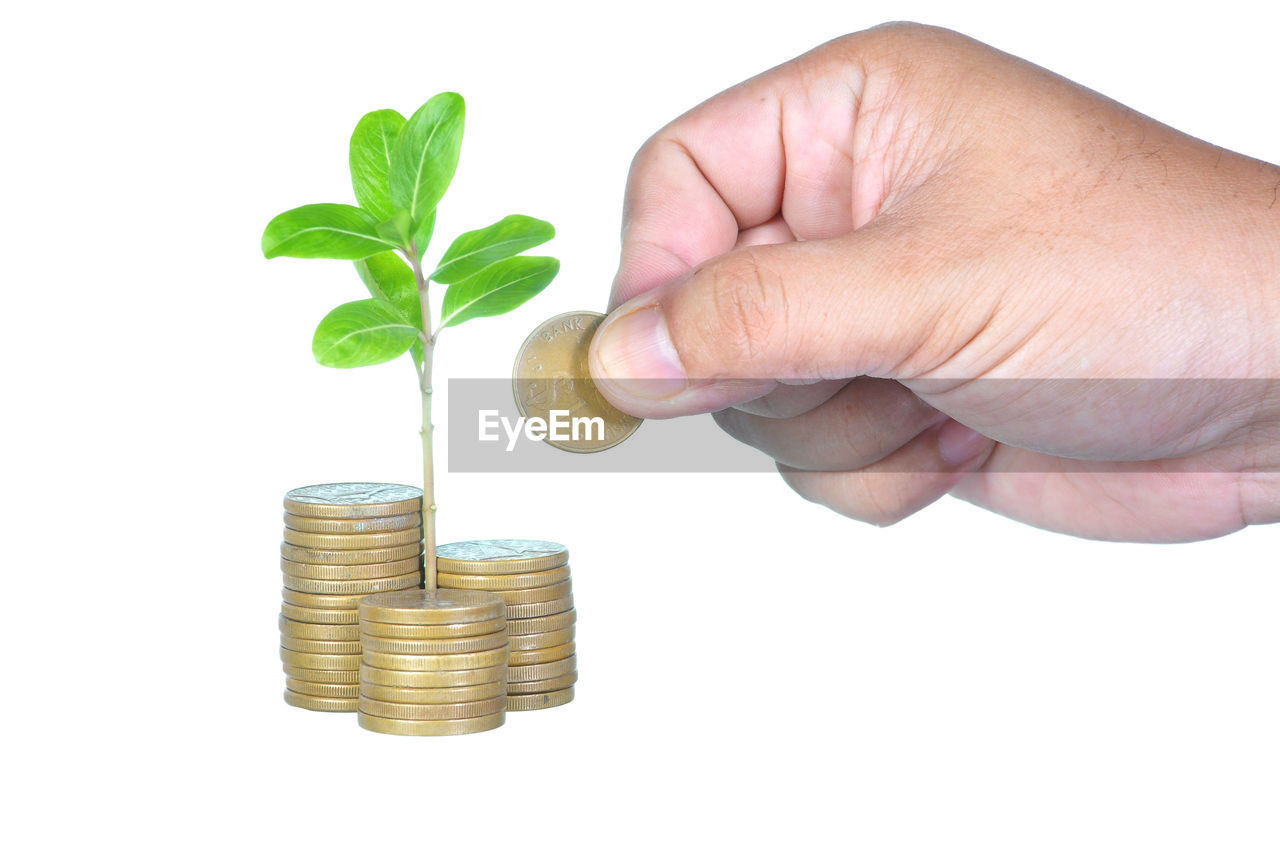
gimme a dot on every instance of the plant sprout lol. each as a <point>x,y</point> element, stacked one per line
<point>400,170</point>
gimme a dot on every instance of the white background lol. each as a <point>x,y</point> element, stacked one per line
<point>756,671</point>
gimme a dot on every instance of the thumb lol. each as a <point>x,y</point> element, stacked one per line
<point>797,312</point>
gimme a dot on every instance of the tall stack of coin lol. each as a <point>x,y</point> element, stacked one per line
<point>532,577</point>
<point>434,662</point>
<point>341,542</point>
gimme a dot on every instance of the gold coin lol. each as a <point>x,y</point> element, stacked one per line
<point>328,677</point>
<point>550,623</point>
<point>317,631</point>
<point>512,581</point>
<point>452,661</point>
<point>437,711</point>
<point>463,726</point>
<point>399,522</point>
<point>353,500</point>
<point>532,702</point>
<point>433,696</point>
<point>539,609</point>
<point>320,616</point>
<point>354,586</point>
<point>324,647</point>
<point>542,686</point>
<point>432,678</point>
<point>551,375</point>
<point>434,647</point>
<point>541,656</point>
<point>434,607</point>
<point>381,540</point>
<point>318,689</point>
<point>559,590</point>
<point>319,661</point>
<point>347,572</point>
<point>303,555</point>
<point>523,643</point>
<point>322,600</point>
<point>502,556</point>
<point>320,703</point>
<point>410,631</point>
<point>534,672</point>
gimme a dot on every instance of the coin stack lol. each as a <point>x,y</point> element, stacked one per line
<point>341,542</point>
<point>434,662</point>
<point>532,577</point>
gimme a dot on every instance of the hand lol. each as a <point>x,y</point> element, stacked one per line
<point>906,264</point>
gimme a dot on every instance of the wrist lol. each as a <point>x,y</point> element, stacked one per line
<point>1260,479</point>
<point>1266,333</point>
<point>1266,253</point>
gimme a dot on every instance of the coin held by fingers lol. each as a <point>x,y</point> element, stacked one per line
<point>552,383</point>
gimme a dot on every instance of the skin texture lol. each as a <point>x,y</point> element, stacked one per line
<point>906,264</point>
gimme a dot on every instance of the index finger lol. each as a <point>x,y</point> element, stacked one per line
<point>780,144</point>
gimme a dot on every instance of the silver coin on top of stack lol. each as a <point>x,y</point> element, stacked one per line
<point>532,577</point>
<point>341,543</point>
<point>434,662</point>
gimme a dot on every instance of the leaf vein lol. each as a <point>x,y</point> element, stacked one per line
<point>367,329</point>
<point>417,182</point>
<point>445,320</point>
<point>480,250</point>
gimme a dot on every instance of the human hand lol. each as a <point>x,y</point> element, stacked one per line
<point>904,230</point>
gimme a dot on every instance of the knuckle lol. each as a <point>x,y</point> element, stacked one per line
<point>852,494</point>
<point>643,164</point>
<point>878,506</point>
<point>730,422</point>
<point>911,35</point>
<point>803,483</point>
<point>649,151</point>
<point>749,303</point>
<point>880,514</point>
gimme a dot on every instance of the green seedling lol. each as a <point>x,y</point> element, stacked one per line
<point>400,170</point>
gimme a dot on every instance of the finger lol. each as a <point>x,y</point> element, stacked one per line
<point>881,301</point>
<point>673,219</point>
<point>1168,501</point>
<point>789,400</point>
<point>911,478</point>
<point>785,400</point>
<point>864,423</point>
<point>782,143</point>
<point>775,231</point>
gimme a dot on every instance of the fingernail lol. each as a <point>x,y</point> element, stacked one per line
<point>958,444</point>
<point>636,354</point>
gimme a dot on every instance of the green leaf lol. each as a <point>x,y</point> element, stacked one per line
<point>388,277</point>
<point>333,231</point>
<point>422,238</point>
<point>501,287</point>
<point>475,250</point>
<point>425,155</point>
<point>370,158</point>
<point>397,228</point>
<point>362,333</point>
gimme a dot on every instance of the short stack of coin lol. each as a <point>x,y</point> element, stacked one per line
<point>341,543</point>
<point>532,577</point>
<point>434,662</point>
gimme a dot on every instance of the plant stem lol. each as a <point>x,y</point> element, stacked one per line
<point>428,471</point>
<point>428,467</point>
